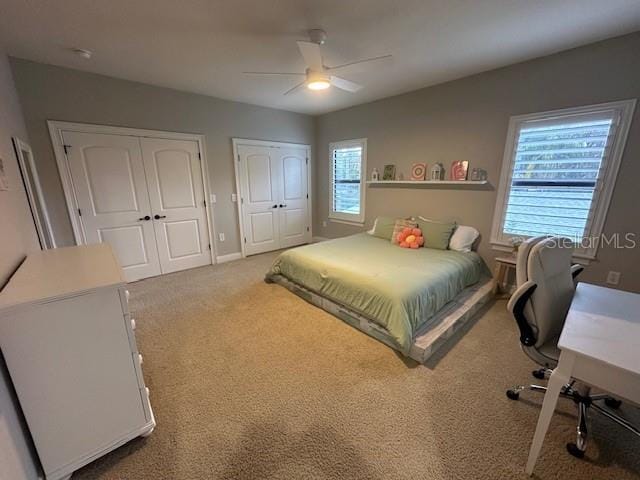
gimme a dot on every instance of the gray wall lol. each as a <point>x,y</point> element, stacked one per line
<point>17,239</point>
<point>54,93</point>
<point>467,119</point>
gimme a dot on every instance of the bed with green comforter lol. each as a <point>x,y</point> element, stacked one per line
<point>397,288</point>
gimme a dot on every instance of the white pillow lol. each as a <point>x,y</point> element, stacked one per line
<point>463,238</point>
<point>373,229</point>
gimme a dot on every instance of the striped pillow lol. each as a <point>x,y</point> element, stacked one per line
<point>400,225</point>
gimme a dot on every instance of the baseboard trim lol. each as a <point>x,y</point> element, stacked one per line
<point>229,257</point>
<point>319,239</point>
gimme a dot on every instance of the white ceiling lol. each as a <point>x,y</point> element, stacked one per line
<point>203,46</point>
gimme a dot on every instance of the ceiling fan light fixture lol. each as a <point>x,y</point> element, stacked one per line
<point>317,81</point>
<point>318,85</point>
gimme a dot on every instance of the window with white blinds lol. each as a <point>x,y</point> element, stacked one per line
<point>561,168</point>
<point>348,167</point>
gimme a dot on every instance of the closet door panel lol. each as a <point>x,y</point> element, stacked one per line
<point>111,191</point>
<point>258,170</point>
<point>293,206</point>
<point>176,192</point>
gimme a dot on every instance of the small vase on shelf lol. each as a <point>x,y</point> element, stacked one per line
<point>375,175</point>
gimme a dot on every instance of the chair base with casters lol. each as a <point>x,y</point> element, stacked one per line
<point>584,401</point>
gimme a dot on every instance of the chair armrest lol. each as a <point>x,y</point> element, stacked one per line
<point>576,269</point>
<point>516,305</point>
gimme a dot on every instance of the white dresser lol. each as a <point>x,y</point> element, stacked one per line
<point>68,340</point>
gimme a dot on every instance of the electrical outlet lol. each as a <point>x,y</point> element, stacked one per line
<point>324,223</point>
<point>213,198</point>
<point>234,197</point>
<point>613,278</point>
<point>221,237</point>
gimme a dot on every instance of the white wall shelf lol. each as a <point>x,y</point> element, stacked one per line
<point>448,184</point>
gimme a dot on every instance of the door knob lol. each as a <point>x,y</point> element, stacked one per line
<point>158,217</point>
<point>282,206</point>
<point>146,218</point>
<point>275,206</point>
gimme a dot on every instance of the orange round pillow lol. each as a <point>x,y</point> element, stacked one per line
<point>411,238</point>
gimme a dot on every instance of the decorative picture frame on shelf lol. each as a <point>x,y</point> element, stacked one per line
<point>389,172</point>
<point>437,172</point>
<point>418,171</point>
<point>459,170</point>
<point>478,175</point>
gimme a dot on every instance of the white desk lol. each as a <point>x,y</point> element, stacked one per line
<point>600,346</point>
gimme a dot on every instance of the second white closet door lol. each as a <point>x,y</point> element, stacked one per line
<point>274,190</point>
<point>176,194</point>
<point>259,185</point>
<point>293,207</point>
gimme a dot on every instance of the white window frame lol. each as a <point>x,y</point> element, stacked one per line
<point>623,113</point>
<point>349,217</point>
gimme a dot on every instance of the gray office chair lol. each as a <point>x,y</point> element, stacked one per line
<point>545,288</point>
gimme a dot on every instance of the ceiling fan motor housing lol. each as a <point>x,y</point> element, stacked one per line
<point>317,35</point>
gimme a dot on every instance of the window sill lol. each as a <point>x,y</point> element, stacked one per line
<point>578,257</point>
<point>501,246</point>
<point>355,223</point>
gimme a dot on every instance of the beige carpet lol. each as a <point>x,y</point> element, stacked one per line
<point>249,381</point>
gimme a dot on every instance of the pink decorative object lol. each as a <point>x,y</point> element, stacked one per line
<point>410,238</point>
<point>459,170</point>
<point>418,171</point>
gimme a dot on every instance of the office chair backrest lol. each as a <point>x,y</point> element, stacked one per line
<point>544,265</point>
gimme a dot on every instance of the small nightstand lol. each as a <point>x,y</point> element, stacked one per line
<point>501,272</point>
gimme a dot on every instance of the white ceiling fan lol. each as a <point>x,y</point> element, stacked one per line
<point>319,76</point>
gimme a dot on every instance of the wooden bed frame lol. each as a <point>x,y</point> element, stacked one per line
<point>428,338</point>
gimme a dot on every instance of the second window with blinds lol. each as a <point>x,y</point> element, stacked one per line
<point>558,174</point>
<point>348,170</point>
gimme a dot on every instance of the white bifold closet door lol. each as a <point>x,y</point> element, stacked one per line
<point>177,200</point>
<point>144,197</point>
<point>274,197</point>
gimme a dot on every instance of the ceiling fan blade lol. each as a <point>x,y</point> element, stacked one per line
<point>344,84</point>
<point>295,89</point>
<point>359,62</point>
<point>312,55</point>
<point>273,73</point>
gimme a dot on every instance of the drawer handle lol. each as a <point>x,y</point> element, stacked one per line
<point>133,324</point>
<point>127,294</point>
<point>140,359</point>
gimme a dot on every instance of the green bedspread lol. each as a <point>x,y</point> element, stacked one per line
<point>399,289</point>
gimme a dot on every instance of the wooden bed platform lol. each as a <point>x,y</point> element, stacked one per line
<point>431,335</point>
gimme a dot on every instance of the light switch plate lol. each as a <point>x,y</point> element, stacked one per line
<point>212,197</point>
<point>221,237</point>
<point>234,197</point>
